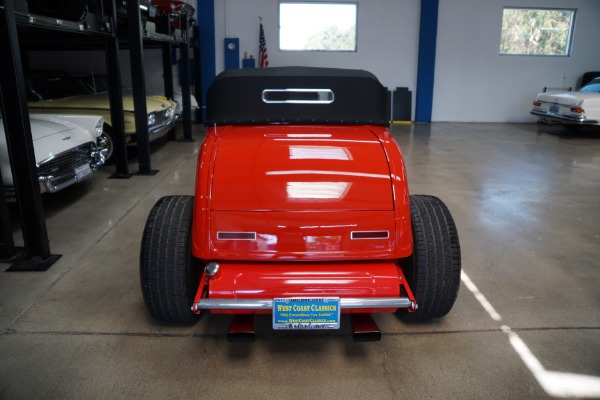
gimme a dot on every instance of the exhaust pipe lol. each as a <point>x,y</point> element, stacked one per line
<point>241,328</point>
<point>364,329</point>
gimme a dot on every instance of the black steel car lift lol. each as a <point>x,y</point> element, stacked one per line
<point>185,79</point>
<point>36,256</point>
<point>21,153</point>
<point>139,87</point>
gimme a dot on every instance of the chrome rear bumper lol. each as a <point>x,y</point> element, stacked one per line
<point>267,304</point>
<point>562,118</point>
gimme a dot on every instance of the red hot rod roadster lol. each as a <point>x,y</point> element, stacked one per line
<point>301,211</point>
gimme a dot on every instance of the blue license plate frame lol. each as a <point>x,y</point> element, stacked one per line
<point>306,313</point>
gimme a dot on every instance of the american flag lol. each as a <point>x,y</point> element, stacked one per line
<point>263,58</point>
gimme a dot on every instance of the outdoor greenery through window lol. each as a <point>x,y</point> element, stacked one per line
<point>535,31</point>
<point>317,26</point>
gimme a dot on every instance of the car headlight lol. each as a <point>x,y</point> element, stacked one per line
<point>151,119</point>
<point>99,126</point>
<point>170,112</point>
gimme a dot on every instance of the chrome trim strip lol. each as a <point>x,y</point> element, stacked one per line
<point>267,304</point>
<point>324,96</point>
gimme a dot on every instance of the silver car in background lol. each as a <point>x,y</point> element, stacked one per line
<point>573,109</point>
<point>65,148</point>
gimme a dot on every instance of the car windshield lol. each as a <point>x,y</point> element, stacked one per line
<point>592,87</point>
<point>95,83</point>
<point>49,87</point>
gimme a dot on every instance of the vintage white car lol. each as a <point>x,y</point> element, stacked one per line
<point>65,148</point>
<point>573,109</point>
<point>56,92</point>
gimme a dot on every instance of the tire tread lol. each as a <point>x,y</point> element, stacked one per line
<point>168,272</point>
<point>434,269</point>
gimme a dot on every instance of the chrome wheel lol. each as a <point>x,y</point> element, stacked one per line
<point>105,145</point>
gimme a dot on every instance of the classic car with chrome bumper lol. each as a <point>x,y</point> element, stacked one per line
<point>57,92</point>
<point>65,150</point>
<point>577,108</point>
<point>301,211</point>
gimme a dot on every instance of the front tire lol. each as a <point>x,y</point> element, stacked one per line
<point>169,273</point>
<point>433,271</point>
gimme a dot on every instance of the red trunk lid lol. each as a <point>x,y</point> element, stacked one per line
<point>300,168</point>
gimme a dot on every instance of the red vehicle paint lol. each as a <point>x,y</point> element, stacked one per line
<point>174,9</point>
<point>307,190</point>
<point>301,203</point>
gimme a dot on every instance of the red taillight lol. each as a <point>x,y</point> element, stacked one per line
<point>537,103</point>
<point>577,110</point>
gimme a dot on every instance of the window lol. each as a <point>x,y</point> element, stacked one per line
<point>536,31</point>
<point>317,26</point>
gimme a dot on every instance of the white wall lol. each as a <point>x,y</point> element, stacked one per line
<point>474,83</point>
<point>387,45</point>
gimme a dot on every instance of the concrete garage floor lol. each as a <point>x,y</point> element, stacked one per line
<point>526,199</point>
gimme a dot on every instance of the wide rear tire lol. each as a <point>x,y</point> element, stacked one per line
<point>168,272</point>
<point>433,271</point>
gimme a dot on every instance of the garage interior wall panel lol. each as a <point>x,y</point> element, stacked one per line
<point>473,83</point>
<point>388,34</point>
<point>469,71</point>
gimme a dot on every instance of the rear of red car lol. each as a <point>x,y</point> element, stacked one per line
<point>301,209</point>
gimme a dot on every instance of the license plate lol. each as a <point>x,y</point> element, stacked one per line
<point>554,109</point>
<point>82,172</point>
<point>306,313</point>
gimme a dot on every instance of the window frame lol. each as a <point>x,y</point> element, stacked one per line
<point>323,2</point>
<point>570,34</point>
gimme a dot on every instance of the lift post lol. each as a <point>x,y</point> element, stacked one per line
<point>20,149</point>
<point>138,83</point>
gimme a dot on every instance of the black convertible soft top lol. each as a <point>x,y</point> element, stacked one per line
<point>296,95</point>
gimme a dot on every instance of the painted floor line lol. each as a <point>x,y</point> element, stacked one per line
<point>556,384</point>
<point>480,297</point>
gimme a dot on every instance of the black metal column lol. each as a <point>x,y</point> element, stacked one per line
<point>167,70</point>
<point>139,87</point>
<point>197,77</point>
<point>168,77</point>
<point>20,149</point>
<point>115,98</point>
<point>185,80</point>
<point>7,243</point>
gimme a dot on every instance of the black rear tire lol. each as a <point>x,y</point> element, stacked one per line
<point>433,271</point>
<point>169,274</point>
